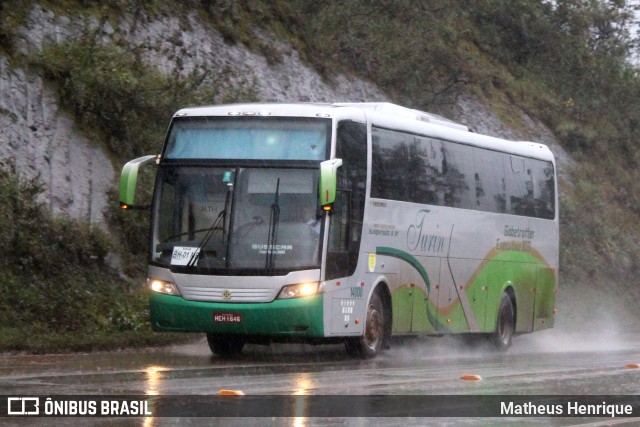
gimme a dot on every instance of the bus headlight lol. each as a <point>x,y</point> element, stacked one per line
<point>298,290</point>
<point>163,287</point>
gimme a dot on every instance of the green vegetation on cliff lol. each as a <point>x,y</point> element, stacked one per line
<point>563,62</point>
<point>56,292</point>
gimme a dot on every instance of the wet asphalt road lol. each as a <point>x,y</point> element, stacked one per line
<point>548,362</point>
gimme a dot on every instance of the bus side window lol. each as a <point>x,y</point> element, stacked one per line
<point>543,188</point>
<point>520,188</point>
<point>490,194</point>
<point>458,183</point>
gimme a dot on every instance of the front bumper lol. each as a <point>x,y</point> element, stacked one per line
<point>288,318</point>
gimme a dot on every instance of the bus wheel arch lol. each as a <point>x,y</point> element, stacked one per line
<point>377,326</point>
<point>505,320</point>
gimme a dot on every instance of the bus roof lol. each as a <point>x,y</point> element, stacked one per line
<point>381,114</point>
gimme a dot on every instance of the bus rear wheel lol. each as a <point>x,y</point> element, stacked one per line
<point>225,346</point>
<point>505,323</point>
<point>369,345</point>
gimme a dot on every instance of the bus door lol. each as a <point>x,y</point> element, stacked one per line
<point>348,298</point>
<point>345,229</point>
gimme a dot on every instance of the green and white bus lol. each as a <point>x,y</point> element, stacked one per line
<point>350,222</point>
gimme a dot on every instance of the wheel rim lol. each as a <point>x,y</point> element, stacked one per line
<point>373,331</point>
<point>505,326</point>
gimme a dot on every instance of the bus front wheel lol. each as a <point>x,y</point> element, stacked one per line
<point>505,324</point>
<point>225,347</point>
<point>368,346</point>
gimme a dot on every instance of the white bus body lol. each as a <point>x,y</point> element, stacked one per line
<point>427,228</point>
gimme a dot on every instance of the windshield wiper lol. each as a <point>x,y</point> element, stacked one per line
<point>272,237</point>
<point>211,230</point>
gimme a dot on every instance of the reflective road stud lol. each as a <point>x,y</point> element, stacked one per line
<point>471,377</point>
<point>230,393</point>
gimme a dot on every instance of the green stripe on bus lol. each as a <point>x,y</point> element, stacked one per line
<point>412,261</point>
<point>406,257</point>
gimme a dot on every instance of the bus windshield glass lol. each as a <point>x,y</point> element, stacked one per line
<point>232,220</point>
<point>257,138</point>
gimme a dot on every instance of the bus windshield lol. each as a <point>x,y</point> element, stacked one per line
<point>234,220</point>
<point>258,138</point>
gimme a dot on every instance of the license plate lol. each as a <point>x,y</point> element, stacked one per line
<point>183,255</point>
<point>227,317</point>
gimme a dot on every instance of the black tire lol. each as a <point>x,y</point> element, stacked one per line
<point>369,345</point>
<point>505,323</point>
<point>224,346</point>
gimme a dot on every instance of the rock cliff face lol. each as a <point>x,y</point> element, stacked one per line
<point>43,142</point>
<point>42,139</point>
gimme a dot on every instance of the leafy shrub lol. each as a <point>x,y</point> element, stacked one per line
<point>53,271</point>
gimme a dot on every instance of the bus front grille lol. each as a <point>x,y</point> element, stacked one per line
<point>194,293</point>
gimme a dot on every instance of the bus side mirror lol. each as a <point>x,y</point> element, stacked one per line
<point>129,181</point>
<point>328,183</point>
